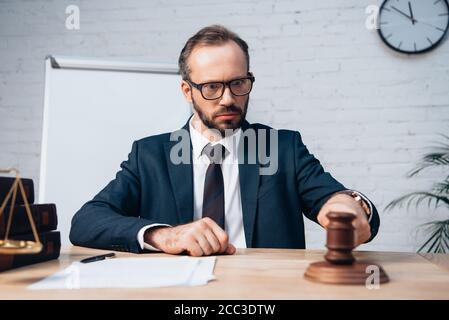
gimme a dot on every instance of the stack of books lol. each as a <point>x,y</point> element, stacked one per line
<point>45,220</point>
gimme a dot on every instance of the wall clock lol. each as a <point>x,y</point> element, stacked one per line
<point>413,26</point>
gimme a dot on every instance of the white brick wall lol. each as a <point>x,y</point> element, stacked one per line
<point>366,112</point>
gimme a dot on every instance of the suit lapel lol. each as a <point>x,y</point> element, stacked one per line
<point>181,179</point>
<point>249,186</point>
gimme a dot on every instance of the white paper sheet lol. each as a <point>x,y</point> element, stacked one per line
<point>131,273</point>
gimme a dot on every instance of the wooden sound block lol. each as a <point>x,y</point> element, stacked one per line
<point>355,273</point>
<point>340,266</point>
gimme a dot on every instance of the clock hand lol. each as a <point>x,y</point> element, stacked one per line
<point>411,12</point>
<point>430,25</point>
<point>401,12</point>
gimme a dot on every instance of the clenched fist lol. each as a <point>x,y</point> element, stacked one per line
<point>345,203</point>
<point>200,238</point>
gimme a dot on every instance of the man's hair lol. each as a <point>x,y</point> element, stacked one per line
<point>209,36</point>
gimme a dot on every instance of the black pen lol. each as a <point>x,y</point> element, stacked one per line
<point>98,258</point>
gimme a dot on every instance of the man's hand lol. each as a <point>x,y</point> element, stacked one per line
<point>345,203</point>
<point>200,238</point>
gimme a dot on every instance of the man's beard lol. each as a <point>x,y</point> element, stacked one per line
<point>230,124</point>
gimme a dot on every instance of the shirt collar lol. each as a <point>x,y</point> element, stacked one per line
<point>199,141</point>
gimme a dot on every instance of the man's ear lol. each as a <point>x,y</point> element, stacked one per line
<point>186,91</point>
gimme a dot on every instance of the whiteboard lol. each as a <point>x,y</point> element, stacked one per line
<point>93,111</point>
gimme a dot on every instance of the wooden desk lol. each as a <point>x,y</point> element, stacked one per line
<point>253,274</point>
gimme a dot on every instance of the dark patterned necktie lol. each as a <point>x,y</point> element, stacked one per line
<point>213,196</point>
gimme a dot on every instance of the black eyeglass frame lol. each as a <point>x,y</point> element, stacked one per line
<point>199,86</point>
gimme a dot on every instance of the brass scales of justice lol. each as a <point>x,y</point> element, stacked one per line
<point>10,246</point>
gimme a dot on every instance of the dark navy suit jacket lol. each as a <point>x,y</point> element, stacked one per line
<point>149,189</point>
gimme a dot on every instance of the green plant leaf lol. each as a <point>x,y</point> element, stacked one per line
<point>432,237</point>
<point>439,157</point>
<point>418,197</point>
<point>438,241</point>
<point>442,187</point>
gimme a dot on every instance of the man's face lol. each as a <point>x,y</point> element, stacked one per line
<point>217,63</point>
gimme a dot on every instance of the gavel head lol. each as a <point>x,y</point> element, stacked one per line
<point>340,238</point>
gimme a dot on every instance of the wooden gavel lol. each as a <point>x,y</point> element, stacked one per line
<point>340,266</point>
<point>340,238</point>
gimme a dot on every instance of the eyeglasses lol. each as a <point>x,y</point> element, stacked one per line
<point>215,90</point>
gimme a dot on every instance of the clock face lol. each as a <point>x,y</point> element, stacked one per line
<point>413,26</point>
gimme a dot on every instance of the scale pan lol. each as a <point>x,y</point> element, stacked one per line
<point>19,247</point>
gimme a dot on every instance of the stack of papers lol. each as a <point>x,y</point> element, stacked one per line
<point>132,273</point>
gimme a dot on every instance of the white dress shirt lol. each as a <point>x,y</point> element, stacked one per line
<point>230,169</point>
